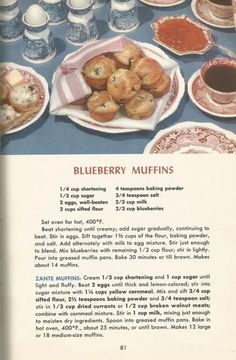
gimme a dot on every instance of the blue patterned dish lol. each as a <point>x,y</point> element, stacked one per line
<point>57,10</point>
<point>11,25</point>
<point>123,16</point>
<point>81,24</point>
<point>98,3</point>
<point>38,43</point>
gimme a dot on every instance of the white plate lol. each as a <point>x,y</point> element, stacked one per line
<point>102,127</point>
<point>192,138</point>
<point>42,85</point>
<point>162,3</point>
<point>199,96</point>
<point>205,30</point>
<point>202,12</point>
<point>165,106</point>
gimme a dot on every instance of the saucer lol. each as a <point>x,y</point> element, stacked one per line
<point>199,96</point>
<point>202,12</point>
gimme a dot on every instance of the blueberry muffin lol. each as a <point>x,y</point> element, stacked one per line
<point>162,86</point>
<point>123,85</point>
<point>101,106</point>
<point>141,106</point>
<point>97,70</point>
<point>24,97</point>
<point>149,71</point>
<point>127,56</point>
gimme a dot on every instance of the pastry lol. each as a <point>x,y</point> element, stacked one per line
<point>141,106</point>
<point>4,91</point>
<point>123,85</point>
<point>7,117</point>
<point>24,97</point>
<point>101,106</point>
<point>127,56</point>
<point>161,87</point>
<point>149,71</point>
<point>97,70</point>
<point>13,77</point>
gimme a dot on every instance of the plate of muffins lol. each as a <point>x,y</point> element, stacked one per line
<point>23,97</point>
<point>130,89</point>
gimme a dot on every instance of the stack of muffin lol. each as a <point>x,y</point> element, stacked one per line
<point>19,99</point>
<point>126,79</point>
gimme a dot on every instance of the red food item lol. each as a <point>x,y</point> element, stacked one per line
<point>182,35</point>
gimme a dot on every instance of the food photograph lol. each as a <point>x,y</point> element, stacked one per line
<point>117,76</point>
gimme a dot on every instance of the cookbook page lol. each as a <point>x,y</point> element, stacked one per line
<point>123,258</point>
<point>117,122</point>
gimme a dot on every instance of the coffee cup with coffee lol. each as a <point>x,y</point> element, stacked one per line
<point>219,77</point>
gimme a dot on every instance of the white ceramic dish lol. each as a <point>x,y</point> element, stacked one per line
<point>192,138</point>
<point>199,96</point>
<point>101,126</point>
<point>121,124</point>
<point>202,12</point>
<point>206,31</point>
<point>42,86</point>
<point>162,3</point>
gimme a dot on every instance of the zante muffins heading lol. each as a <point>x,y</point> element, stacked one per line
<point>125,81</point>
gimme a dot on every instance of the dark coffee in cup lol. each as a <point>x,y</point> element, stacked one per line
<point>221,77</point>
<point>222,2</point>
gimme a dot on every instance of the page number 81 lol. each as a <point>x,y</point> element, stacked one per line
<point>122,347</point>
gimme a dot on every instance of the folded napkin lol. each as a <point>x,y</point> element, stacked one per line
<point>69,84</point>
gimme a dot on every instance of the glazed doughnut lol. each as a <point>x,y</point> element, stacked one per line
<point>123,85</point>
<point>97,70</point>
<point>149,71</point>
<point>101,106</point>
<point>141,106</point>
